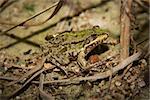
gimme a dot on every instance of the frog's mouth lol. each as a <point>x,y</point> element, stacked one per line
<point>96,50</point>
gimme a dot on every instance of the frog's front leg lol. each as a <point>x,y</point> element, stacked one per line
<point>88,48</point>
<point>81,59</point>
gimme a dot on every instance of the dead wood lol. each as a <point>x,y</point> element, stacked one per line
<point>125,28</point>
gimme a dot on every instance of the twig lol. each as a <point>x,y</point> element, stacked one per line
<point>8,78</point>
<point>126,70</point>
<point>43,95</point>
<point>15,79</point>
<point>110,77</point>
<point>59,5</point>
<point>144,40</point>
<point>24,22</point>
<point>28,81</point>
<point>142,5</point>
<point>32,71</point>
<point>18,66</point>
<point>3,3</point>
<point>125,28</point>
<point>102,75</point>
<point>41,81</point>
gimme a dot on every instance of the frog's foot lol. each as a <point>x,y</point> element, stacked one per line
<point>89,47</point>
<point>72,56</point>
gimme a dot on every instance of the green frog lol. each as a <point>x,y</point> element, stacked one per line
<point>66,47</point>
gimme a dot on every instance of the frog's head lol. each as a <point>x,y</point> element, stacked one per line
<point>100,35</point>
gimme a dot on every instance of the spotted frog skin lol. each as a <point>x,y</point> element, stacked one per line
<point>66,47</point>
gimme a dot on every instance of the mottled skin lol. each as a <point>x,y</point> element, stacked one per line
<point>69,46</point>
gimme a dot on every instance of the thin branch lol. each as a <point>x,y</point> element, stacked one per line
<point>43,95</point>
<point>102,75</point>
<point>32,71</point>
<point>5,4</point>
<point>125,28</point>
<point>24,22</point>
<point>28,81</point>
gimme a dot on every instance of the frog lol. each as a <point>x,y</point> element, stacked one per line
<point>66,47</point>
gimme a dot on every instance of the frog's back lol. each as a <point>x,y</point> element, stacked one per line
<point>75,37</point>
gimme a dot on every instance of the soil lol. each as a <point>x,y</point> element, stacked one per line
<point>20,53</point>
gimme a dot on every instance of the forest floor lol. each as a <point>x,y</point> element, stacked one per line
<point>20,53</point>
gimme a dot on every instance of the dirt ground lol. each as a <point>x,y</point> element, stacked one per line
<point>76,15</point>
